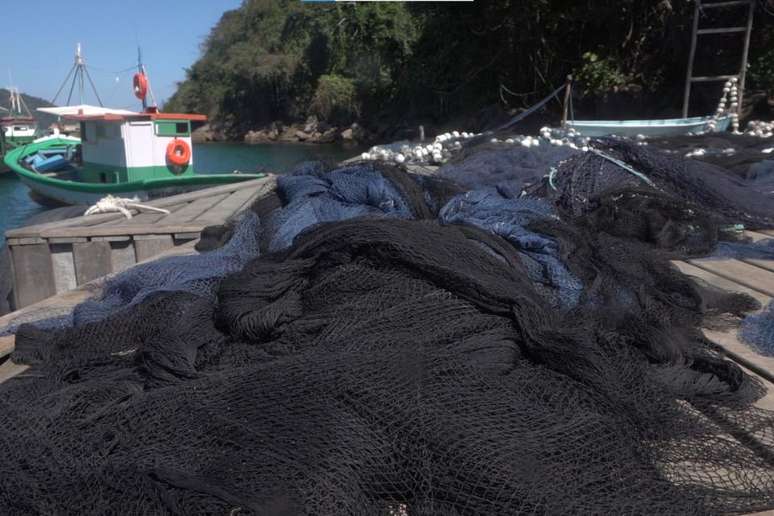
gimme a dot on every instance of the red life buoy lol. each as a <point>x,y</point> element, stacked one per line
<point>178,152</point>
<point>140,83</point>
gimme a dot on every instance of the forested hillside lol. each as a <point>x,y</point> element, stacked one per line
<point>393,64</point>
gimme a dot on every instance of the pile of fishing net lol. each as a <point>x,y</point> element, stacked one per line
<point>405,345</point>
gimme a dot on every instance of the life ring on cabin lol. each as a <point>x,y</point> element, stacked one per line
<point>140,85</point>
<point>178,152</point>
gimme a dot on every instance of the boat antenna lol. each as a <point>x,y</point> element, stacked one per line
<point>78,72</point>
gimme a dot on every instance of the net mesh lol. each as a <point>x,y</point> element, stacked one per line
<point>426,351</point>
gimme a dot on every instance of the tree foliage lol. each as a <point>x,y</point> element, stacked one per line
<point>284,59</point>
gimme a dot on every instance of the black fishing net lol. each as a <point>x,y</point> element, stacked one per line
<point>420,351</point>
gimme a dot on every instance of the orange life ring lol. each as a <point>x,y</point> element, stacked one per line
<point>140,85</point>
<point>178,152</point>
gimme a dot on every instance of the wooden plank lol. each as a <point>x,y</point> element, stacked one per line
<point>71,240</point>
<point>233,203</point>
<point>186,236</point>
<point>33,273</point>
<point>193,209</point>
<point>712,78</point>
<point>7,345</point>
<point>92,220</point>
<point>63,264</point>
<point>759,365</point>
<point>8,370</point>
<point>737,271</point>
<point>140,229</point>
<point>122,255</point>
<point>152,245</point>
<point>721,282</point>
<point>115,238</point>
<point>92,260</point>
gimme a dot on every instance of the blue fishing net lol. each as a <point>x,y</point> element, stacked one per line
<point>313,196</point>
<point>501,211</point>
<point>758,331</point>
<point>519,166</point>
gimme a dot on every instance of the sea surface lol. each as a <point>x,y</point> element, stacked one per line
<point>16,207</point>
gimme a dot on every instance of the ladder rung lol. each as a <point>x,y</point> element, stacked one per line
<point>712,78</point>
<point>725,4</point>
<point>724,30</point>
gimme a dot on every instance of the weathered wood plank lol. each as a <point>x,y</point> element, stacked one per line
<point>721,282</point>
<point>63,264</point>
<point>234,202</point>
<point>122,255</point>
<point>71,240</point>
<point>739,272</point>
<point>7,345</point>
<point>144,217</point>
<point>152,245</point>
<point>92,220</point>
<point>139,229</point>
<point>8,370</point>
<point>92,260</point>
<point>33,273</point>
<point>193,209</point>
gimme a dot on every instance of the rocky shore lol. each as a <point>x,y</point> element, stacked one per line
<point>310,131</point>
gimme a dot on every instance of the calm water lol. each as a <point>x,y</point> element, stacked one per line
<point>16,206</point>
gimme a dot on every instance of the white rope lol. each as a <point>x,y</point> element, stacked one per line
<point>122,205</point>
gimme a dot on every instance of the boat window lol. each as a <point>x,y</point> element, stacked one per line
<point>101,132</point>
<point>170,128</point>
<point>83,132</point>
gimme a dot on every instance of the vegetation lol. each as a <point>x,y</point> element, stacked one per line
<point>386,62</point>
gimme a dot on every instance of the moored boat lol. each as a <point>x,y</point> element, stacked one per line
<point>143,154</point>
<point>17,126</point>
<point>650,128</point>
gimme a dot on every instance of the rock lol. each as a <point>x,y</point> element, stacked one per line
<point>328,136</point>
<point>206,133</point>
<point>311,125</point>
<point>348,134</point>
<point>302,136</point>
<point>260,136</point>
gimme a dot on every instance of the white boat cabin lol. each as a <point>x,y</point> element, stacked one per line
<point>120,147</point>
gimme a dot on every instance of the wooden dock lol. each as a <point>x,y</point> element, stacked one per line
<point>56,257</point>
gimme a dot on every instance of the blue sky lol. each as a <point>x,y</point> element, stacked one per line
<point>39,38</point>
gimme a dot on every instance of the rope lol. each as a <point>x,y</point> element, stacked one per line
<point>525,114</point>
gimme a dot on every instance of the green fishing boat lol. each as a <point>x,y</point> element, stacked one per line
<point>143,155</point>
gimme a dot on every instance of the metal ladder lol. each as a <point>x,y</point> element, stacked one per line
<point>747,29</point>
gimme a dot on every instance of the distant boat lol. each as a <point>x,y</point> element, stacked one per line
<point>650,128</point>
<point>17,125</point>
<point>143,154</point>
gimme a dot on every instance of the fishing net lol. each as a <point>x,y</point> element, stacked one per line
<point>489,165</point>
<point>370,342</point>
<point>377,367</point>
<point>757,330</point>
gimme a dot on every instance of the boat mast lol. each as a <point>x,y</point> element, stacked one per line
<point>79,73</point>
<point>141,70</point>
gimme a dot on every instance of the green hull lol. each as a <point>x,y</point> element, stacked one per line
<point>77,192</point>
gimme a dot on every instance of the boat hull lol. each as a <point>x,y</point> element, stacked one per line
<point>648,128</point>
<point>75,192</point>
